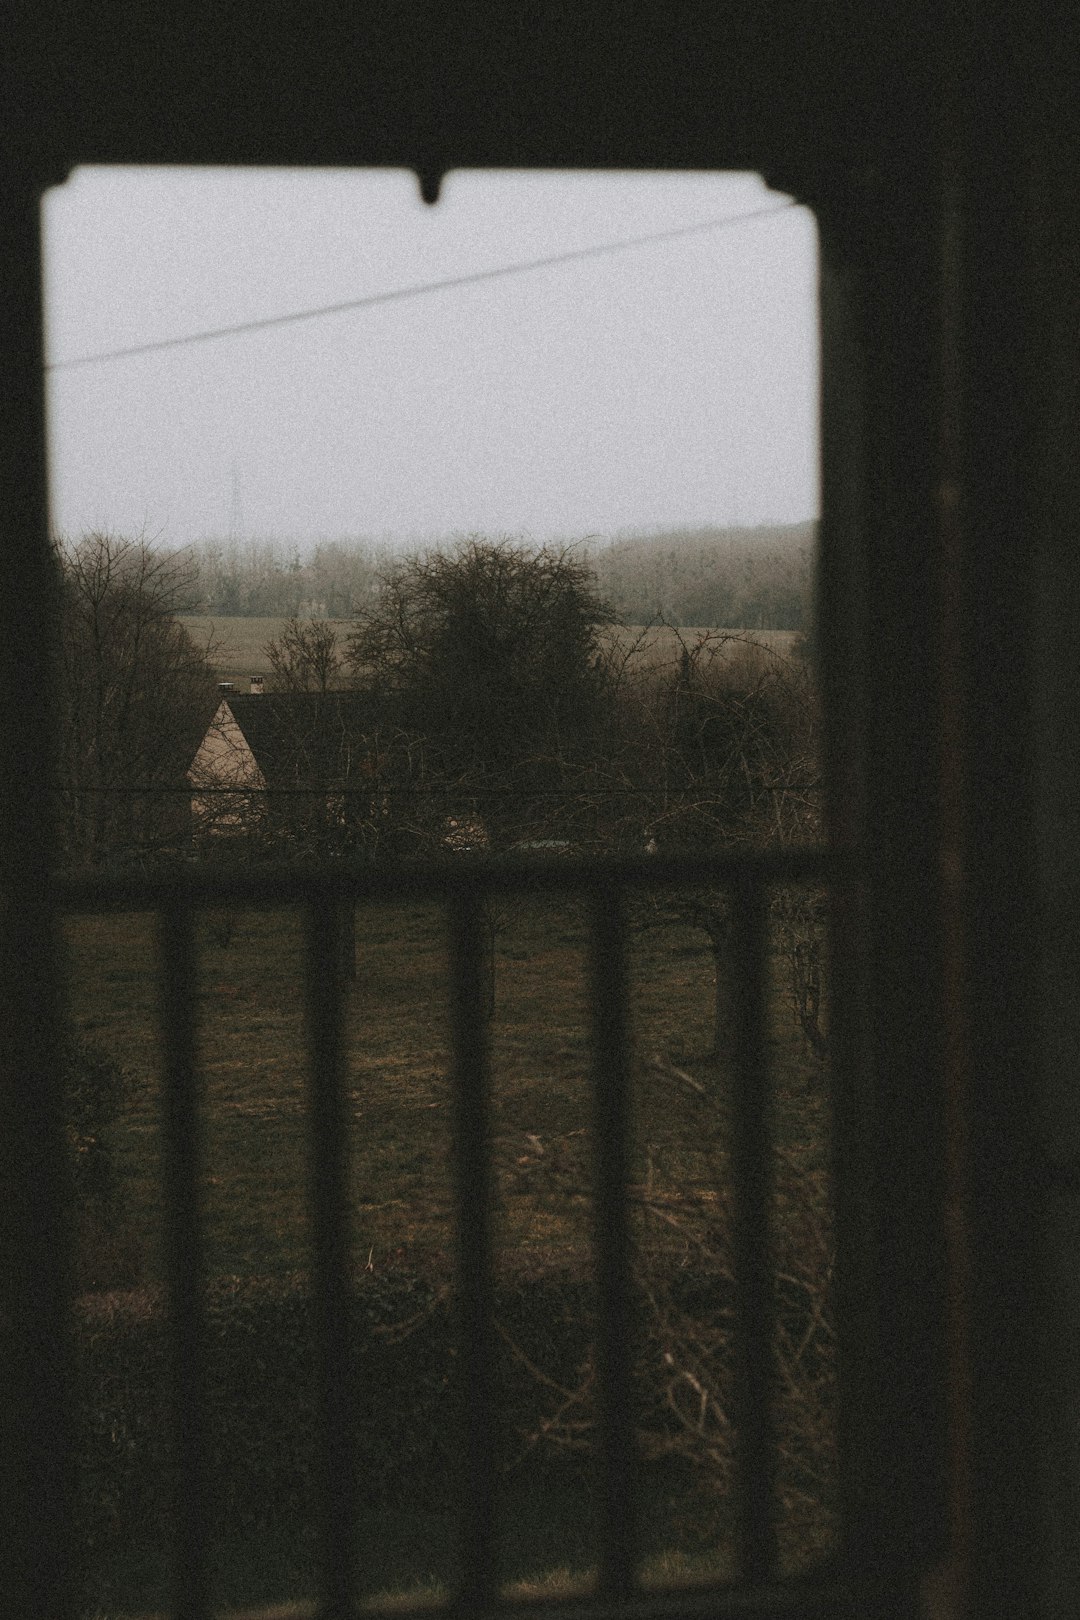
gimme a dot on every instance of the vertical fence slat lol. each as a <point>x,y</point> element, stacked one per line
<point>611,1126</point>
<point>329,1214</point>
<point>184,1260</point>
<point>36,1483</point>
<point>476,1304</point>
<point>753,1268</point>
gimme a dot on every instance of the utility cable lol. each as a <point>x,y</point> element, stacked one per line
<point>417,291</point>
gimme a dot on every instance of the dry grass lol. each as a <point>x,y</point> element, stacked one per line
<point>253,1071</point>
<point>238,644</point>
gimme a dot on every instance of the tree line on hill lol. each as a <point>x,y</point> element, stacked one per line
<point>750,579</point>
<point>264,579</point>
<point>754,578</point>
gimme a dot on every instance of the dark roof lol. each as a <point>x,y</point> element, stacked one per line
<point>305,736</point>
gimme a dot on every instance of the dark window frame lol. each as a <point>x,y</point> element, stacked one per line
<point>857,115</point>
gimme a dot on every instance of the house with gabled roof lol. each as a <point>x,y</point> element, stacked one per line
<point>321,772</point>
<point>290,768</point>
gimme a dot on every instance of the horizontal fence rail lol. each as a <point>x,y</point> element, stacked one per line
<point>463,884</point>
<point>282,884</point>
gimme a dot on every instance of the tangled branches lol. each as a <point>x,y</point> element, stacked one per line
<point>688,1320</point>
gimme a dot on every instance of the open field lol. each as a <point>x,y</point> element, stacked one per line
<point>253,1069</point>
<point>237,645</point>
<point>253,1072</point>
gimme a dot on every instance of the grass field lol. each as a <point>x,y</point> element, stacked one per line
<point>237,645</point>
<point>253,1069</point>
<point>253,1074</point>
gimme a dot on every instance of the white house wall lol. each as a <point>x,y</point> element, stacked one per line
<point>226,779</point>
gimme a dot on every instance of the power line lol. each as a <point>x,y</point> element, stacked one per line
<point>418,291</point>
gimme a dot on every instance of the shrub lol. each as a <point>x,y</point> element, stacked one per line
<point>261,1393</point>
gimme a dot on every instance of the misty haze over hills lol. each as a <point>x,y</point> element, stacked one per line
<point>758,578</point>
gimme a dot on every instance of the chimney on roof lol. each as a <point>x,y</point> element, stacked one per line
<point>256,685</point>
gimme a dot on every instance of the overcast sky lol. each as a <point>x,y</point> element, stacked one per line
<point>670,383</point>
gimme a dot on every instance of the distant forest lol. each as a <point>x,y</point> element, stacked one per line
<point>749,579</point>
<point>746,579</point>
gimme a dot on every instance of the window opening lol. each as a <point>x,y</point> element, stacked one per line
<point>505,1059</point>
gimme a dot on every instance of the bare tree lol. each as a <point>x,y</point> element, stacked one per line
<point>684,1228</point>
<point>491,655</point>
<point>136,694</point>
<point>719,751</point>
<point>306,657</point>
